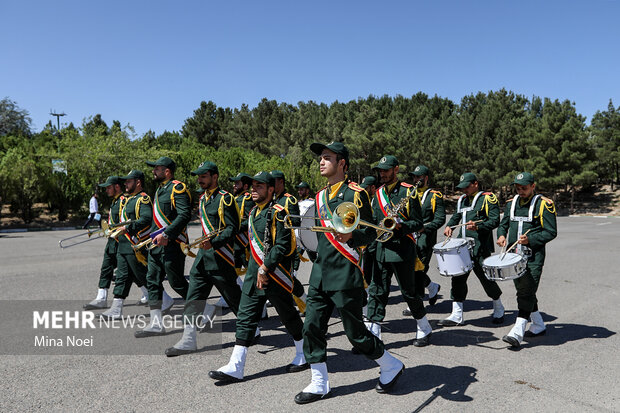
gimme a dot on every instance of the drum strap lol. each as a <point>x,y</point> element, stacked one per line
<point>521,220</point>
<point>424,196</point>
<point>465,210</point>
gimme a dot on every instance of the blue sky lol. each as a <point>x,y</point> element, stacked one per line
<point>151,63</point>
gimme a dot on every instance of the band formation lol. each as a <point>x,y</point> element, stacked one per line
<point>357,237</point>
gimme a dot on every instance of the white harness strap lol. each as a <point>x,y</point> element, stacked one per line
<point>521,220</point>
<point>424,196</point>
<point>465,210</point>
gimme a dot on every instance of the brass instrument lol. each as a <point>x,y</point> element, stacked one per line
<point>390,221</point>
<point>346,218</point>
<point>187,248</point>
<point>106,230</point>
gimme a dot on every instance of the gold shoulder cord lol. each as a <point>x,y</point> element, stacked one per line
<point>546,204</point>
<point>179,191</point>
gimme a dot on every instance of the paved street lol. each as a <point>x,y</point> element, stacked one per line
<point>574,368</point>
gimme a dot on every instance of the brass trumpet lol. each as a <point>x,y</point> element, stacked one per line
<point>346,218</point>
<point>187,248</point>
<point>106,231</point>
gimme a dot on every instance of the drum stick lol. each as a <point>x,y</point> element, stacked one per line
<point>467,223</point>
<point>513,245</point>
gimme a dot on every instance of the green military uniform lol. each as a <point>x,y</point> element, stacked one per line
<point>216,266</point>
<point>536,214</point>
<point>433,216</point>
<point>172,210</point>
<point>278,258</point>
<point>337,280</point>
<point>111,248</point>
<point>245,204</point>
<point>481,206</point>
<point>397,256</point>
<point>139,209</point>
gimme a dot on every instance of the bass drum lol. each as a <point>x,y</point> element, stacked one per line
<point>307,239</point>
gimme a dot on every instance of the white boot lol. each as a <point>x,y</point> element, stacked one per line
<point>433,290</point>
<point>515,337</point>
<point>498,311</point>
<point>390,369</point>
<point>101,301</point>
<point>424,328</point>
<point>236,364</point>
<point>456,317</point>
<point>116,310</point>
<point>187,343</point>
<point>145,295</point>
<point>538,325</point>
<point>240,282</point>
<point>320,382</point>
<point>156,325</point>
<point>167,302</point>
<point>374,328</point>
<point>208,316</point>
<point>299,359</point>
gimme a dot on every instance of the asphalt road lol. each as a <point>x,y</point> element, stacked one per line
<point>574,368</point>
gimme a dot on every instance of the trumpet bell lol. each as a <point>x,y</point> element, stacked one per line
<point>346,217</point>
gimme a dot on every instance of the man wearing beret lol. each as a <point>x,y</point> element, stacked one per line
<point>397,256</point>
<point>474,205</point>
<point>337,280</point>
<point>171,214</point>
<point>434,216</point>
<point>113,190</point>
<point>290,204</point>
<point>535,213</point>
<point>215,262</point>
<point>268,276</point>
<point>136,207</point>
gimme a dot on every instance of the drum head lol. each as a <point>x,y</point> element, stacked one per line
<point>496,260</point>
<point>451,244</point>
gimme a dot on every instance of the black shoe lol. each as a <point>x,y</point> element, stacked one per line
<point>432,301</point>
<point>256,339</point>
<point>512,341</point>
<point>448,323</point>
<point>89,306</point>
<point>407,312</point>
<point>173,352</point>
<point>294,368</point>
<point>528,333</point>
<point>384,388</point>
<point>498,320</point>
<point>142,333</point>
<point>305,398</point>
<point>422,342</point>
<point>355,350</point>
<point>223,377</point>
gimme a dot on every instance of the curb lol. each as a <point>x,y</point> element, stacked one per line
<point>14,230</point>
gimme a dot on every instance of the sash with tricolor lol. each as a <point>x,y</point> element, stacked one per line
<point>162,221</point>
<point>257,248</point>
<point>325,218</point>
<point>386,206</point>
<point>226,252</point>
<point>141,235</point>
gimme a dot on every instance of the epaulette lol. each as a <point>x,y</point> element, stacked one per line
<point>279,207</point>
<point>145,198</point>
<point>222,192</point>
<point>406,185</point>
<point>354,186</point>
<point>287,194</point>
<point>437,193</point>
<point>510,200</point>
<point>491,197</point>
<point>547,200</point>
<point>179,187</point>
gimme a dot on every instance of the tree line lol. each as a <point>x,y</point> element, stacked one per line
<point>494,134</point>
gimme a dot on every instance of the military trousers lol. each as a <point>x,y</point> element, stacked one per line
<point>166,262</point>
<point>251,309</point>
<point>526,286</point>
<point>319,308</point>
<point>128,270</point>
<point>424,254</point>
<point>107,267</point>
<point>379,289</point>
<point>459,283</point>
<point>202,281</point>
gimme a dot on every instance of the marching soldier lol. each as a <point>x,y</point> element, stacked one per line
<point>113,190</point>
<point>290,204</point>
<point>303,189</point>
<point>397,256</point>
<point>215,261</point>
<point>131,264</point>
<point>369,183</point>
<point>171,214</point>
<point>535,213</point>
<point>472,206</point>
<point>434,216</point>
<point>268,276</point>
<point>243,198</point>
<point>337,280</point>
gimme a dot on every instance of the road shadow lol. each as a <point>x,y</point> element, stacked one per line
<point>562,333</point>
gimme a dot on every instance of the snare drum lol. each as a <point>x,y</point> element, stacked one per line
<point>453,258</point>
<point>306,238</point>
<point>510,267</point>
